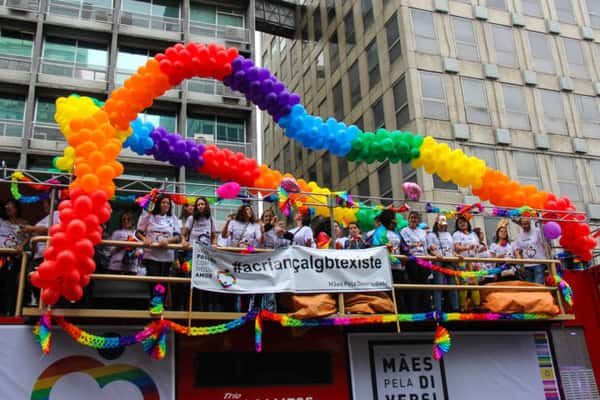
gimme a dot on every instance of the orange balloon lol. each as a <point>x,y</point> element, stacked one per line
<point>85,149</point>
<point>111,150</point>
<point>96,159</point>
<point>109,189</point>
<point>82,169</point>
<point>117,167</point>
<point>105,174</point>
<point>89,182</point>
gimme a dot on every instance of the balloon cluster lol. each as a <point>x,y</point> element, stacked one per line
<point>68,260</point>
<point>383,145</point>
<point>226,165</point>
<point>316,134</point>
<point>172,147</point>
<point>137,94</point>
<point>365,218</point>
<point>450,165</point>
<point>191,60</point>
<point>500,190</point>
<point>140,141</point>
<point>575,234</point>
<point>261,87</point>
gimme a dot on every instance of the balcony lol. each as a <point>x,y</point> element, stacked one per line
<point>11,133</point>
<point>90,77</point>
<point>166,28</point>
<point>244,147</point>
<point>74,14</point>
<point>47,136</point>
<point>121,75</point>
<point>230,34</point>
<point>21,5</point>
<point>201,89</point>
<point>16,68</point>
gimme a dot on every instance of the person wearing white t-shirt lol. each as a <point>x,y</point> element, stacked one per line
<point>243,231</point>
<point>200,226</point>
<point>12,236</point>
<point>440,244</point>
<point>414,239</point>
<point>502,248</point>
<point>124,260</point>
<point>341,241</point>
<point>529,244</point>
<point>302,234</point>
<point>466,244</point>
<point>158,229</point>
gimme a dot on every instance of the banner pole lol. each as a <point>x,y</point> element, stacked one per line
<point>190,307</point>
<point>395,308</point>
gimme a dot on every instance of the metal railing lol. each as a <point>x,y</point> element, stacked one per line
<point>23,5</point>
<point>83,12</point>
<point>15,63</point>
<point>11,128</point>
<point>190,314</point>
<point>211,86</point>
<point>167,24</point>
<point>229,33</point>
<point>121,75</point>
<point>75,71</point>
<point>47,131</point>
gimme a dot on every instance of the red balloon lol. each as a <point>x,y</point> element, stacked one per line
<point>72,276</point>
<point>95,236</point>
<point>54,229</point>
<point>99,198</point>
<point>76,192</point>
<point>91,222</point>
<point>65,260</point>
<point>72,291</point>
<point>67,215</point>
<point>84,248</point>
<point>64,204</point>
<point>86,266</point>
<point>50,253</point>
<point>76,229</point>
<point>83,206</point>
<point>50,296</point>
<point>47,270</point>
<point>59,240</point>
<point>103,214</point>
<point>84,280</point>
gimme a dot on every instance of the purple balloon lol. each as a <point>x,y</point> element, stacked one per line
<point>278,87</point>
<point>239,76</point>
<point>252,74</point>
<point>237,63</point>
<point>294,99</point>
<point>263,73</point>
<point>247,64</point>
<point>552,230</point>
<point>180,147</point>
<point>283,98</point>
<point>267,85</point>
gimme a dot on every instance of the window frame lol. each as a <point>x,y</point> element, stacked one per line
<point>459,43</point>
<point>520,111</point>
<point>423,37</point>
<point>550,120</point>
<point>425,99</point>
<point>469,105</point>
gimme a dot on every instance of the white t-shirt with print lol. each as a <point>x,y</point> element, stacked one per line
<point>242,233</point>
<point>10,234</point>
<point>158,227</point>
<point>302,235</point>
<point>502,251</point>
<point>466,239</point>
<point>440,244</point>
<point>274,241</point>
<point>41,246</point>
<point>116,260</point>
<point>415,239</point>
<point>531,244</point>
<point>201,229</point>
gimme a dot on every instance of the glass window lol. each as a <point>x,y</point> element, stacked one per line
<point>438,183</point>
<point>12,108</point>
<point>378,114</point>
<point>424,29</point>
<point>163,120</point>
<point>594,11</point>
<point>75,52</point>
<point>532,8</point>
<point>342,168</point>
<point>230,18</point>
<point>158,8</point>
<point>527,169</point>
<point>499,4</point>
<point>364,191</point>
<point>589,116</point>
<point>476,105</point>
<point>392,34</point>
<point>464,37</point>
<point>373,63</point>
<point>541,53</point>
<point>504,45</point>
<point>312,173</point>
<point>231,130</point>
<point>323,109</point>
<point>564,10</point>
<point>203,13</point>
<point>44,111</point>
<point>330,10</point>
<point>350,30</point>
<point>567,178</point>
<point>338,101</point>
<point>367,14</point>
<point>409,173</point>
<point>354,79</point>
<point>317,23</point>
<point>487,155</point>
<point>401,103</point>
<point>320,65</point>
<point>360,124</point>
<point>15,43</point>
<point>385,178</point>
<point>595,165</point>
<point>334,59</point>
<point>131,59</point>
<point>575,58</point>
<point>326,169</point>
<point>434,98</point>
<point>554,114</point>
<point>517,115</point>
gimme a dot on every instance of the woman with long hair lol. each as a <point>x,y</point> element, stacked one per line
<point>440,244</point>
<point>466,244</point>
<point>12,236</point>
<point>243,231</point>
<point>122,260</point>
<point>159,228</point>
<point>200,226</point>
<point>302,234</point>
<point>503,248</point>
<point>414,239</point>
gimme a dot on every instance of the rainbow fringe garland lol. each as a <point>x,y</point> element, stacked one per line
<point>157,304</point>
<point>153,337</point>
<point>565,288</point>
<point>441,342</point>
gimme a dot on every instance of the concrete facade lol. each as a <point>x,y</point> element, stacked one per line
<point>497,102</point>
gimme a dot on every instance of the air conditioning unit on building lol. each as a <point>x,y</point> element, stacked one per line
<point>126,18</point>
<point>205,138</point>
<point>234,34</point>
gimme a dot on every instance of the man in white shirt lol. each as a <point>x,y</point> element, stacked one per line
<point>529,244</point>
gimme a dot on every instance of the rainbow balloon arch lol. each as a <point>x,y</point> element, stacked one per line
<point>96,132</point>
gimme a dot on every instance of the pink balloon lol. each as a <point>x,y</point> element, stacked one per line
<point>412,191</point>
<point>289,185</point>
<point>229,190</point>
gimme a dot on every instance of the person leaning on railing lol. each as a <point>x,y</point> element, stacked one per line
<point>502,248</point>
<point>159,228</point>
<point>483,251</point>
<point>41,228</point>
<point>440,244</point>
<point>414,239</point>
<point>466,244</point>
<point>529,244</point>
<point>122,260</point>
<point>12,236</point>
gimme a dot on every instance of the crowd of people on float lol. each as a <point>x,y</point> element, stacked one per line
<point>160,228</point>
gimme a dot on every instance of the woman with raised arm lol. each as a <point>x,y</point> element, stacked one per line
<point>242,231</point>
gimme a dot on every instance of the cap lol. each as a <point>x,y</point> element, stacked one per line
<point>441,220</point>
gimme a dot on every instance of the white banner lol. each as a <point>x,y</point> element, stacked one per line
<point>293,269</point>
<point>74,372</point>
